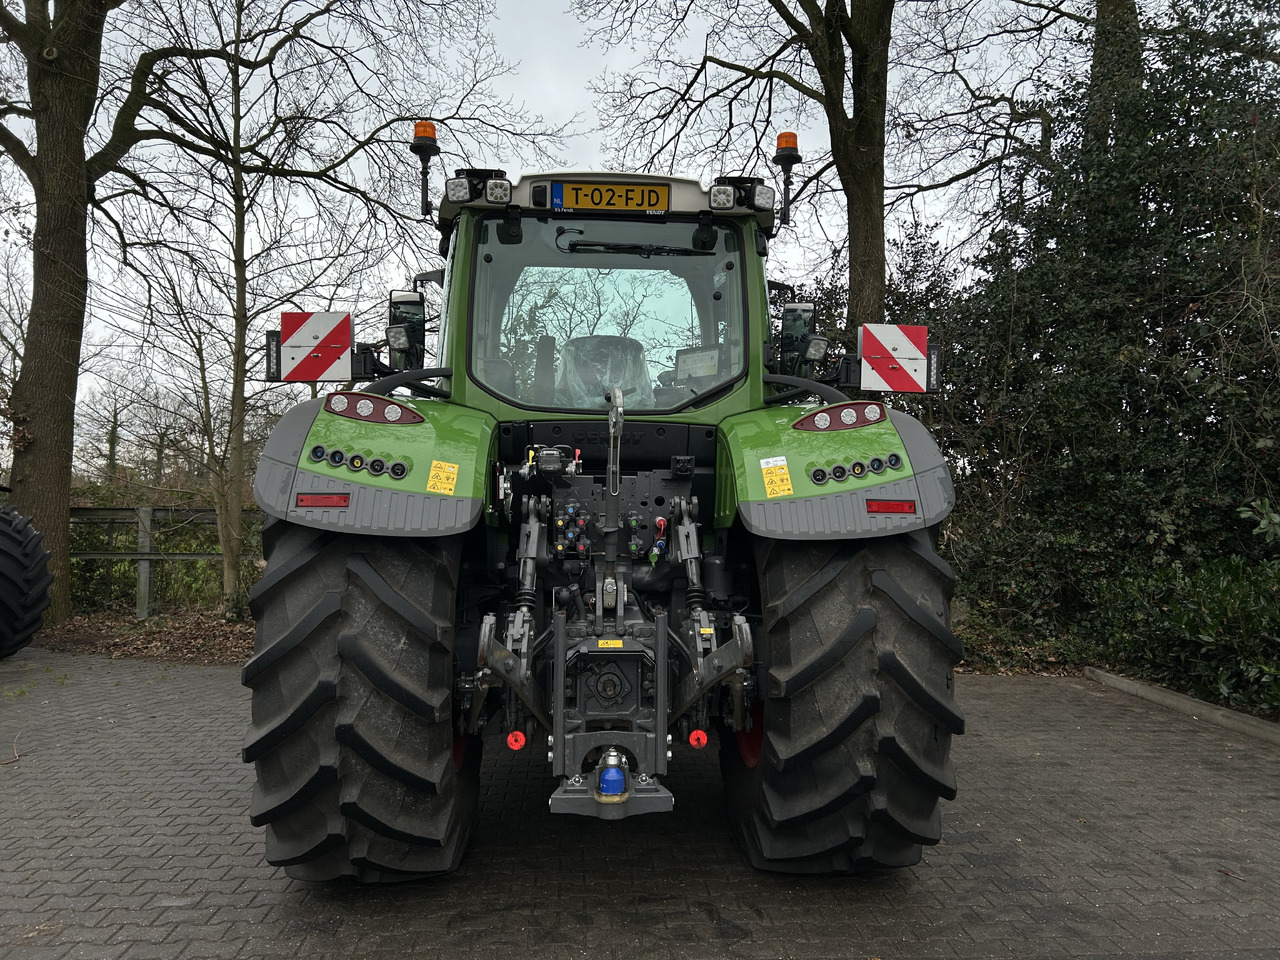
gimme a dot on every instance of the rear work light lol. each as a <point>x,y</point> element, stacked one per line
<point>370,408</point>
<point>891,506</point>
<point>722,197</point>
<point>497,191</point>
<point>323,500</point>
<point>842,416</point>
<point>457,189</point>
<point>762,197</point>
<point>731,193</point>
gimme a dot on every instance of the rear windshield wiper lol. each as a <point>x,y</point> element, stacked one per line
<point>707,395</point>
<point>645,250</point>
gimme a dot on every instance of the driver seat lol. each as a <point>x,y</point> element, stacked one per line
<point>591,365</point>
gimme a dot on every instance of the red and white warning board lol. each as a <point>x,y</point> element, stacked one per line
<point>894,357</point>
<point>316,346</point>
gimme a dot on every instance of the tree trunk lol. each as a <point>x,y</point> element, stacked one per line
<point>63,81</point>
<point>857,135</point>
<point>863,164</point>
<point>62,77</point>
<point>230,521</point>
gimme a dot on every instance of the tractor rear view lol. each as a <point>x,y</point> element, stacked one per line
<point>612,524</point>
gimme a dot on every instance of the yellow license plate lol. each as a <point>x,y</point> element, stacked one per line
<point>637,197</point>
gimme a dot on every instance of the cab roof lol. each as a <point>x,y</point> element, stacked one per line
<point>554,191</point>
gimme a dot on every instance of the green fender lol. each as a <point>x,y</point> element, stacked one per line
<point>764,469</point>
<point>442,492</point>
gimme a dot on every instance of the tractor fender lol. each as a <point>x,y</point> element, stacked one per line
<point>445,456</point>
<point>765,476</point>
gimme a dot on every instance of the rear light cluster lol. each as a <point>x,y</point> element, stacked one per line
<point>370,408</point>
<point>857,469</point>
<point>357,461</point>
<point>843,416</point>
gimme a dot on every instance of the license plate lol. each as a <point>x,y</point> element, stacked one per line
<point>639,197</point>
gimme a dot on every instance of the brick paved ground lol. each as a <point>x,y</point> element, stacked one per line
<point>1089,825</point>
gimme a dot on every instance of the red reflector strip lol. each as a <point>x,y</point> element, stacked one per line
<point>323,500</point>
<point>891,506</point>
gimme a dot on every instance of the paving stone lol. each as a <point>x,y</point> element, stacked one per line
<point>1088,825</point>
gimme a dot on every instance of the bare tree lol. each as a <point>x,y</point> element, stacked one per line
<point>88,107</point>
<point>976,83</point>
<point>765,65</point>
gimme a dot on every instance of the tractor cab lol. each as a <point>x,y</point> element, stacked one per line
<point>565,285</point>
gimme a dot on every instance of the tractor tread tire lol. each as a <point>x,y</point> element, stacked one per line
<point>853,759</point>
<point>352,737</point>
<point>24,581</point>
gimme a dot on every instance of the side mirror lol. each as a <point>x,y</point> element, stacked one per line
<point>406,329</point>
<point>800,346</point>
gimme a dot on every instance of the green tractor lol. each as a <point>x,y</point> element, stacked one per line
<point>608,527</point>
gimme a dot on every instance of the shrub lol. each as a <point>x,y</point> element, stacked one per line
<point>1213,630</point>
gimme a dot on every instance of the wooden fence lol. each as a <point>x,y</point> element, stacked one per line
<point>145,520</point>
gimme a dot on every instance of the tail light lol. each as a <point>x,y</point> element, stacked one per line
<point>323,500</point>
<point>842,416</point>
<point>370,408</point>
<point>891,506</point>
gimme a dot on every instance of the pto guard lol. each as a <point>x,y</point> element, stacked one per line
<point>452,438</point>
<point>765,469</point>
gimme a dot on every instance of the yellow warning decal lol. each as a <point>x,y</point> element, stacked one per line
<point>777,479</point>
<point>608,644</point>
<point>706,629</point>
<point>444,477</point>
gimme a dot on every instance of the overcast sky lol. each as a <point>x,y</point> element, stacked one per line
<point>554,68</point>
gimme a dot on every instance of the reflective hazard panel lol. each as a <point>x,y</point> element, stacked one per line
<point>895,357</point>
<point>315,346</point>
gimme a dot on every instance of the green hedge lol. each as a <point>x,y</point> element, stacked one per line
<point>1213,631</point>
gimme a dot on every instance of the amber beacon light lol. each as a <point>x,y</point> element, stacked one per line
<point>787,157</point>
<point>424,146</point>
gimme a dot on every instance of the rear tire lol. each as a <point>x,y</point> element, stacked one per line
<point>24,581</point>
<point>849,757</point>
<point>358,769</point>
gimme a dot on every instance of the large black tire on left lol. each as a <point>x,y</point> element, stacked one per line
<point>24,581</point>
<point>849,755</point>
<point>359,771</point>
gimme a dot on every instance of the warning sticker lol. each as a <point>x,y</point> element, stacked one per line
<point>444,477</point>
<point>777,479</point>
<point>608,644</point>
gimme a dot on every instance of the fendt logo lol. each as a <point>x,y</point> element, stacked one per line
<point>629,437</point>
